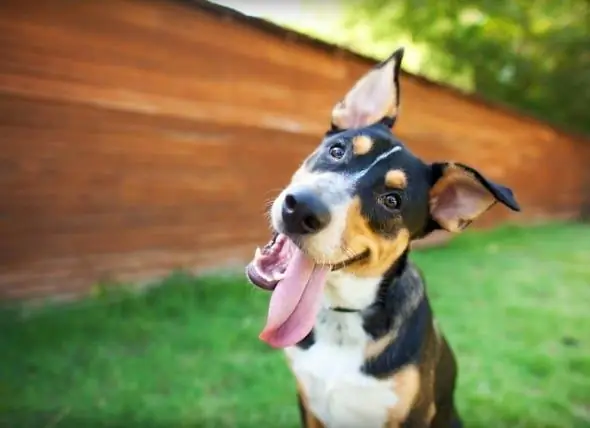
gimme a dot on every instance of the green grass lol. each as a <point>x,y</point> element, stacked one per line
<point>514,304</point>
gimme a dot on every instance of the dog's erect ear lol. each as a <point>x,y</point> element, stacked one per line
<point>374,97</point>
<point>459,194</point>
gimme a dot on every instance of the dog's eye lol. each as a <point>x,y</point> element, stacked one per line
<point>391,201</point>
<point>337,151</point>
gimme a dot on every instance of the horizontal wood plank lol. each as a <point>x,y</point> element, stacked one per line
<point>142,136</point>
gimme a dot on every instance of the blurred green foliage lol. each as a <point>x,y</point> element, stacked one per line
<point>530,54</point>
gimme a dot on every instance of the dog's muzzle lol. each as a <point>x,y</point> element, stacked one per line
<point>303,212</point>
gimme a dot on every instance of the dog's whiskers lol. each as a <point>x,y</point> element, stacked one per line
<point>349,253</point>
<point>268,202</point>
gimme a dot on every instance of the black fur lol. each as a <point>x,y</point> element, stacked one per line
<point>307,341</point>
<point>405,349</point>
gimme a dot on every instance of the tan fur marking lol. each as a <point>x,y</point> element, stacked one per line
<point>431,413</point>
<point>358,237</point>
<point>455,217</point>
<point>361,145</point>
<point>396,178</point>
<point>376,347</point>
<point>406,385</point>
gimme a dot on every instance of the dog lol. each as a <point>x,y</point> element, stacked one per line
<point>348,307</point>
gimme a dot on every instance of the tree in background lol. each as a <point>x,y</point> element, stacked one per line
<point>531,54</point>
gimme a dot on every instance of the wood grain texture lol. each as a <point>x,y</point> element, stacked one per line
<point>141,136</point>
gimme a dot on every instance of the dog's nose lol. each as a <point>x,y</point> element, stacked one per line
<point>304,212</point>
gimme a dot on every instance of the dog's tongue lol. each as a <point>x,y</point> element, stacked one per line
<point>295,302</point>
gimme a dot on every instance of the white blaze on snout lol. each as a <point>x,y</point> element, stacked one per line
<point>335,192</point>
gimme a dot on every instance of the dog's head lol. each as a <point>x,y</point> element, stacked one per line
<point>361,197</point>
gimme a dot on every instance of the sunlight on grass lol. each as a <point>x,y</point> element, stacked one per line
<point>513,303</point>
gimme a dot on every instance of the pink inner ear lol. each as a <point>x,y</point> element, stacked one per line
<point>458,199</point>
<point>373,97</point>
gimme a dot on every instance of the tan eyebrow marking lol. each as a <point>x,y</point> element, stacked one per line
<point>361,144</point>
<point>396,178</point>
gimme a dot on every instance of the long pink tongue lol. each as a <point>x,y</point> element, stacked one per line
<point>295,302</point>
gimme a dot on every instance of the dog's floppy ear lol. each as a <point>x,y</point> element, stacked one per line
<point>374,97</point>
<point>459,194</point>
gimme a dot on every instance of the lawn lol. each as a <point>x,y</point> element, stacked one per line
<point>513,302</point>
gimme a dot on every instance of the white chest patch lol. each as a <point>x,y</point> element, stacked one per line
<point>329,372</point>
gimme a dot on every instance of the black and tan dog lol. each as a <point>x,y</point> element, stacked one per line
<point>348,307</point>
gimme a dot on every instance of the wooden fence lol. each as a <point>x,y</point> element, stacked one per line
<point>140,136</point>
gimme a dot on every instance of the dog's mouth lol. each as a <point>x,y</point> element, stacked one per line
<point>297,282</point>
<point>270,263</point>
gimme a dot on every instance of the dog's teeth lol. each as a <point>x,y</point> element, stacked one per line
<point>278,276</point>
<point>276,249</point>
<point>257,253</point>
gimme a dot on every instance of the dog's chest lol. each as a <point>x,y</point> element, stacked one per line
<point>329,372</point>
